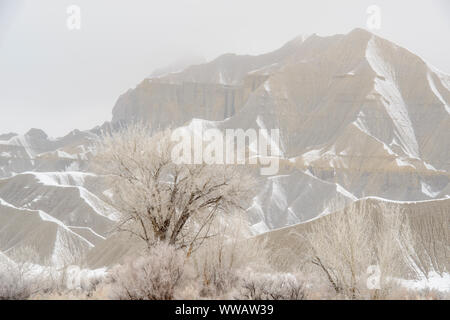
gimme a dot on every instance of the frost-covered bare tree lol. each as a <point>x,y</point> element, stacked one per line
<point>161,201</point>
<point>344,244</point>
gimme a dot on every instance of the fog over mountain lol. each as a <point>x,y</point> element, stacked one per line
<point>60,79</point>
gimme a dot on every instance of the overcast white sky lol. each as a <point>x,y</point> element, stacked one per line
<point>59,80</point>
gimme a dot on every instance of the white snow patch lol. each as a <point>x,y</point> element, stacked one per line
<point>311,156</point>
<point>88,229</point>
<point>429,166</point>
<point>344,192</point>
<point>65,155</point>
<point>108,193</point>
<point>426,189</point>
<point>259,228</point>
<point>403,163</point>
<point>403,202</point>
<point>61,179</point>
<point>432,281</point>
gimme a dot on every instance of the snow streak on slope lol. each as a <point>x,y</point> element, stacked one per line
<point>436,92</point>
<point>393,101</point>
<point>60,198</point>
<point>61,179</point>
<point>98,205</point>
<point>76,180</point>
<point>21,141</point>
<point>40,231</point>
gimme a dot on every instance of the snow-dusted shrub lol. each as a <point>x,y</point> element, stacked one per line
<point>263,286</point>
<point>155,276</point>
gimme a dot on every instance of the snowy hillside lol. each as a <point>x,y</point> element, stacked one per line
<point>359,117</point>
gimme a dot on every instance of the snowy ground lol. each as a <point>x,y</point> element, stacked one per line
<point>433,281</point>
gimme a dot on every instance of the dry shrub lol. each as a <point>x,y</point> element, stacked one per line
<point>261,286</point>
<point>214,270</point>
<point>222,259</point>
<point>155,276</point>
